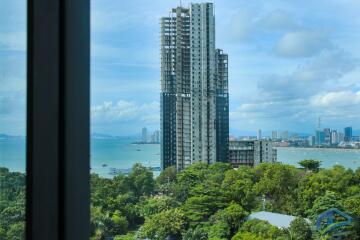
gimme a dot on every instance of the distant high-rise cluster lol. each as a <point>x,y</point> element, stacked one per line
<point>150,138</point>
<point>194,89</point>
<point>328,137</point>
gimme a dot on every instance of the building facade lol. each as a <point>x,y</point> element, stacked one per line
<point>222,107</point>
<point>319,137</point>
<point>334,137</point>
<point>348,134</point>
<point>251,152</point>
<point>259,134</point>
<point>311,140</point>
<point>327,136</point>
<point>274,135</point>
<point>194,89</point>
<point>144,135</point>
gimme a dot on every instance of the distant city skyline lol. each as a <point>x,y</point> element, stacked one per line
<point>290,62</point>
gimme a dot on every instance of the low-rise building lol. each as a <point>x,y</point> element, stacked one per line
<point>251,152</point>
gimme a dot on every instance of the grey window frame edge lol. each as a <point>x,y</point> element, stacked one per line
<point>58,120</point>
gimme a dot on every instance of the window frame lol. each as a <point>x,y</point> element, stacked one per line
<point>58,120</point>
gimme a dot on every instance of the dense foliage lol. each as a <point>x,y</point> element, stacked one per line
<point>213,201</point>
<point>202,202</point>
<point>12,205</point>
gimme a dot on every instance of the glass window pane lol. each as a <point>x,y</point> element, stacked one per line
<point>12,118</point>
<point>215,120</point>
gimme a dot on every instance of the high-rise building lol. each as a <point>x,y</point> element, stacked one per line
<point>341,137</point>
<point>155,137</point>
<point>285,135</point>
<point>327,136</point>
<point>311,140</point>
<point>319,137</point>
<point>334,137</point>
<point>194,89</point>
<point>222,107</point>
<point>144,135</point>
<point>259,134</point>
<point>348,134</point>
<point>274,135</point>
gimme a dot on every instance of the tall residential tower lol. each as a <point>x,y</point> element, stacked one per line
<point>194,89</point>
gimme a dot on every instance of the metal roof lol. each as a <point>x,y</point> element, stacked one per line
<point>276,219</point>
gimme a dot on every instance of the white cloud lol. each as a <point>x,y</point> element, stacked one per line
<point>303,43</point>
<point>322,73</point>
<point>336,99</point>
<point>126,112</point>
<point>297,99</point>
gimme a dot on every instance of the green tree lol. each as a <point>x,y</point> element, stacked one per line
<point>262,229</point>
<point>246,236</point>
<point>197,233</point>
<point>126,204</point>
<point>153,205</point>
<point>324,203</point>
<point>278,182</point>
<point>141,180</point>
<point>352,207</point>
<point>217,171</point>
<point>16,231</point>
<point>233,216</point>
<point>2,233</point>
<point>120,223</point>
<point>205,199</point>
<point>238,187</point>
<point>129,236</point>
<point>219,231</point>
<point>314,185</point>
<point>167,176</point>
<point>189,178</point>
<point>300,229</point>
<point>106,225</point>
<point>164,224</point>
<point>166,180</point>
<point>310,165</point>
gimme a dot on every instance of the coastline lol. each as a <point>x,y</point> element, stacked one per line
<point>320,148</point>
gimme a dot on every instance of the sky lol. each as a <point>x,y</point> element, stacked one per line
<point>290,62</point>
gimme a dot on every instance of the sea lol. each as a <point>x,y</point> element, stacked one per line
<point>122,153</point>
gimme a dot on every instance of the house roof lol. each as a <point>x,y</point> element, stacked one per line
<point>275,219</point>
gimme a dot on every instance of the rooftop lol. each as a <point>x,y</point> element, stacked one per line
<point>275,219</point>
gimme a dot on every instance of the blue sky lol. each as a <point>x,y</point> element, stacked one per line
<point>289,63</point>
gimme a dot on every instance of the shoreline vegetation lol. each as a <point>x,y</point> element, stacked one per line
<point>203,202</point>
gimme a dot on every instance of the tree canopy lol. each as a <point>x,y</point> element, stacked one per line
<point>201,202</point>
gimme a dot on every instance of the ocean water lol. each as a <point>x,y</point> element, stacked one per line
<point>123,154</point>
<point>349,158</point>
<point>12,154</point>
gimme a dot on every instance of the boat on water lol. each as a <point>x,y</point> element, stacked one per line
<point>104,165</point>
